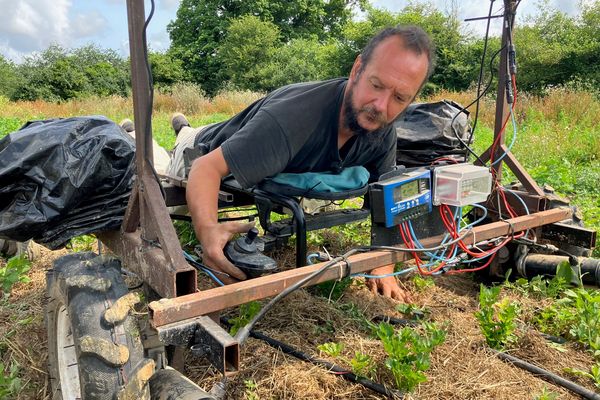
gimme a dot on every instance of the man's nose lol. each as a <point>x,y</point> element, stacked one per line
<point>381,103</point>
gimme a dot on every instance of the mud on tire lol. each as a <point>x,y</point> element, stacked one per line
<point>94,346</point>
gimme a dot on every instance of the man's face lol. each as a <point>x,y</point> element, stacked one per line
<point>390,81</point>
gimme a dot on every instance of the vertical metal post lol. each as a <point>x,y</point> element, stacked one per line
<point>140,87</point>
<point>502,110</point>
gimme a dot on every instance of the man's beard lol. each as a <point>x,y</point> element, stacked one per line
<point>351,118</point>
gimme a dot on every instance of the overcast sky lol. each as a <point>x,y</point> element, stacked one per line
<point>27,26</point>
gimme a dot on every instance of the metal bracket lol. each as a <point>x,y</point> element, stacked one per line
<point>217,345</point>
<point>207,339</point>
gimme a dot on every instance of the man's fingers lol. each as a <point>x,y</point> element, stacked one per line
<point>233,271</point>
<point>236,227</point>
<point>224,265</point>
<point>372,287</point>
<point>386,291</point>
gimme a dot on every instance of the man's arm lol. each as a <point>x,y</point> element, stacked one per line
<point>202,198</point>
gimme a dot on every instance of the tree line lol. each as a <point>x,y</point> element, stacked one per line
<point>257,45</point>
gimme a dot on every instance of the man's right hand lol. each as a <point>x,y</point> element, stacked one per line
<point>214,238</point>
<point>202,193</point>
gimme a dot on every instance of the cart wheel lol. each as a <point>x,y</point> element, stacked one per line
<point>168,384</point>
<point>94,346</point>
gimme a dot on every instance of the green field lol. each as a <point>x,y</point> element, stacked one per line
<point>558,139</point>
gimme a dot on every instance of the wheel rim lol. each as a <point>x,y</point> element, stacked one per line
<point>68,369</point>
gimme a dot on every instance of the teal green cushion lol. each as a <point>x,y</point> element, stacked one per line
<point>351,178</point>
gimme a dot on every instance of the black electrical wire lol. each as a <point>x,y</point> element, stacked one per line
<point>151,91</point>
<point>480,78</point>
<point>480,93</point>
<point>187,218</point>
<point>243,333</point>
<point>548,376</point>
<point>462,110</point>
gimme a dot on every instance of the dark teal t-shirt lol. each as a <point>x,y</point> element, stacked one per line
<point>294,129</point>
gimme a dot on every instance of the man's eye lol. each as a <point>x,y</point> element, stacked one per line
<point>376,85</point>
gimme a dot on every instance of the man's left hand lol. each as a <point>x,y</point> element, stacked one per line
<point>387,286</point>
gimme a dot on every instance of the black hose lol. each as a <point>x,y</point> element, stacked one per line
<point>349,376</point>
<point>554,339</point>
<point>394,320</point>
<point>548,376</point>
<point>287,349</point>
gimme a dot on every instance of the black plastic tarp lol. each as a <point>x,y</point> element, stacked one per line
<point>63,178</point>
<point>427,131</point>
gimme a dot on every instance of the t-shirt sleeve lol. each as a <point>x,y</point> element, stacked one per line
<point>258,150</point>
<point>387,161</point>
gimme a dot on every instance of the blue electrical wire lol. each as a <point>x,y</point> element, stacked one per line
<point>309,258</point>
<point>203,268</point>
<point>402,272</point>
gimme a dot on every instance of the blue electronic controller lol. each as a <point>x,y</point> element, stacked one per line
<point>404,196</point>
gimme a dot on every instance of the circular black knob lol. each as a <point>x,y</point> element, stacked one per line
<point>251,235</point>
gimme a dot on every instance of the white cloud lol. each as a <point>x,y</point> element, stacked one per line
<point>31,25</point>
<point>88,24</point>
<point>168,4</point>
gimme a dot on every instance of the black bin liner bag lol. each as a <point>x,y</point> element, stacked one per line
<point>63,178</point>
<point>427,131</point>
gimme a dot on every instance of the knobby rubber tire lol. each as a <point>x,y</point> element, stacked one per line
<point>170,384</point>
<point>102,347</point>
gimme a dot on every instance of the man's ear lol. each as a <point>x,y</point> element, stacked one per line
<point>354,72</point>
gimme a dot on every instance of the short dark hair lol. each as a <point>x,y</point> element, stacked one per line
<point>413,37</point>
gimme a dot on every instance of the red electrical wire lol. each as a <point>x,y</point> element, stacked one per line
<point>462,271</point>
<point>411,243</point>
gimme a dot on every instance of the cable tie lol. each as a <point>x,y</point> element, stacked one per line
<point>511,231</point>
<point>346,272</point>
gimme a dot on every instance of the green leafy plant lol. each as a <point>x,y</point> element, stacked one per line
<point>334,289</point>
<point>332,349</point>
<point>10,383</point>
<point>409,352</point>
<point>250,392</point>
<point>574,316</point>
<point>546,395</point>
<point>14,271</point>
<point>594,373</point>
<point>540,287</point>
<point>413,311</point>
<point>82,243</point>
<point>497,319</point>
<point>361,364</point>
<point>247,312</point>
<point>422,283</point>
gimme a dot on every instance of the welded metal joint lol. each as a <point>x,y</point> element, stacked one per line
<point>206,339</point>
<point>214,343</point>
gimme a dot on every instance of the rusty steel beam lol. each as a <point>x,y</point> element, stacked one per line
<point>150,264</point>
<point>533,202</point>
<point>166,311</point>
<point>521,173</point>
